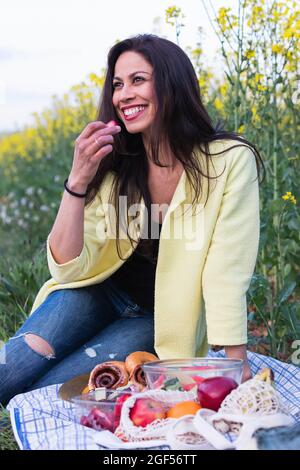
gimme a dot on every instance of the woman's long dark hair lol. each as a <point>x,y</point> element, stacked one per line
<point>182,121</point>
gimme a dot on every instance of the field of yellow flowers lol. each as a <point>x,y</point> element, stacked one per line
<point>258,97</point>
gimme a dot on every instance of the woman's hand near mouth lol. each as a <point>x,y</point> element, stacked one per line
<point>93,144</point>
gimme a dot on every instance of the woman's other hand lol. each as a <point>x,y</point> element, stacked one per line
<point>247,374</point>
<point>240,352</point>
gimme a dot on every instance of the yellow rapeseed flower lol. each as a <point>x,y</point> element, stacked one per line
<point>223,12</point>
<point>96,79</point>
<point>234,21</point>
<point>249,54</point>
<point>218,104</point>
<point>222,18</point>
<point>241,129</point>
<point>289,32</point>
<point>277,48</point>
<point>261,87</point>
<point>291,67</point>
<point>257,13</point>
<point>197,52</point>
<point>171,13</point>
<point>276,16</point>
<point>256,119</point>
<point>288,196</point>
<point>224,89</point>
<point>258,77</point>
<point>202,82</point>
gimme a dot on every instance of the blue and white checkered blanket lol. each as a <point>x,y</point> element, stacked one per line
<point>42,421</point>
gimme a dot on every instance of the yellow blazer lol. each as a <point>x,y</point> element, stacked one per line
<point>205,261</point>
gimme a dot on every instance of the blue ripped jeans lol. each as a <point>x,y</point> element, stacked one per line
<point>84,327</point>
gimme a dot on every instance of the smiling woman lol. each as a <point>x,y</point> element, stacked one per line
<point>141,239</point>
<point>134,96</point>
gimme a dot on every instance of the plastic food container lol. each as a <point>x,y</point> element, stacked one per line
<point>100,409</point>
<point>186,374</point>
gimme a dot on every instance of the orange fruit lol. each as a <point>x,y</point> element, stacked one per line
<point>183,408</point>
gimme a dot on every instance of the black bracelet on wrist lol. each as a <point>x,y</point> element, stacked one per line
<point>72,192</point>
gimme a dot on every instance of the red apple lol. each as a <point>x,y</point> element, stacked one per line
<point>212,391</point>
<point>146,410</point>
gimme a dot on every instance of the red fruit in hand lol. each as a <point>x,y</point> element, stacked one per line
<point>146,410</point>
<point>212,391</point>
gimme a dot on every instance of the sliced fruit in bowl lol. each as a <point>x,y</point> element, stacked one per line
<point>186,374</point>
<point>99,420</point>
<point>100,414</point>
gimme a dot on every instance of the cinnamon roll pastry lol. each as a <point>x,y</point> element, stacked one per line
<point>111,374</point>
<point>134,364</point>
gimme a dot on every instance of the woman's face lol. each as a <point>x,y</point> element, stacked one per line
<point>134,95</point>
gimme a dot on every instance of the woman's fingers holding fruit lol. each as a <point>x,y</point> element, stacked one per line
<point>83,142</point>
<point>90,128</point>
<point>103,142</point>
<point>97,145</point>
<point>98,140</point>
<point>107,131</point>
<point>94,143</point>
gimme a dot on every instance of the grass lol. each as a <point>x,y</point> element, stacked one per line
<point>7,440</point>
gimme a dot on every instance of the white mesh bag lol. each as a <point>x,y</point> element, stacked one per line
<point>253,397</point>
<point>183,435</point>
<point>158,429</point>
<point>234,431</point>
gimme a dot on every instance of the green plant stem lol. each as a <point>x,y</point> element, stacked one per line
<point>294,115</point>
<point>279,245</point>
<point>264,267</point>
<point>238,73</point>
<point>275,193</point>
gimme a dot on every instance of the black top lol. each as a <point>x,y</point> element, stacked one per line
<point>136,276</point>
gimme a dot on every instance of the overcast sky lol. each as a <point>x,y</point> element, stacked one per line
<point>46,46</point>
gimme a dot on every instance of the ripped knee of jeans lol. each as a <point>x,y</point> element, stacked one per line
<point>39,345</point>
